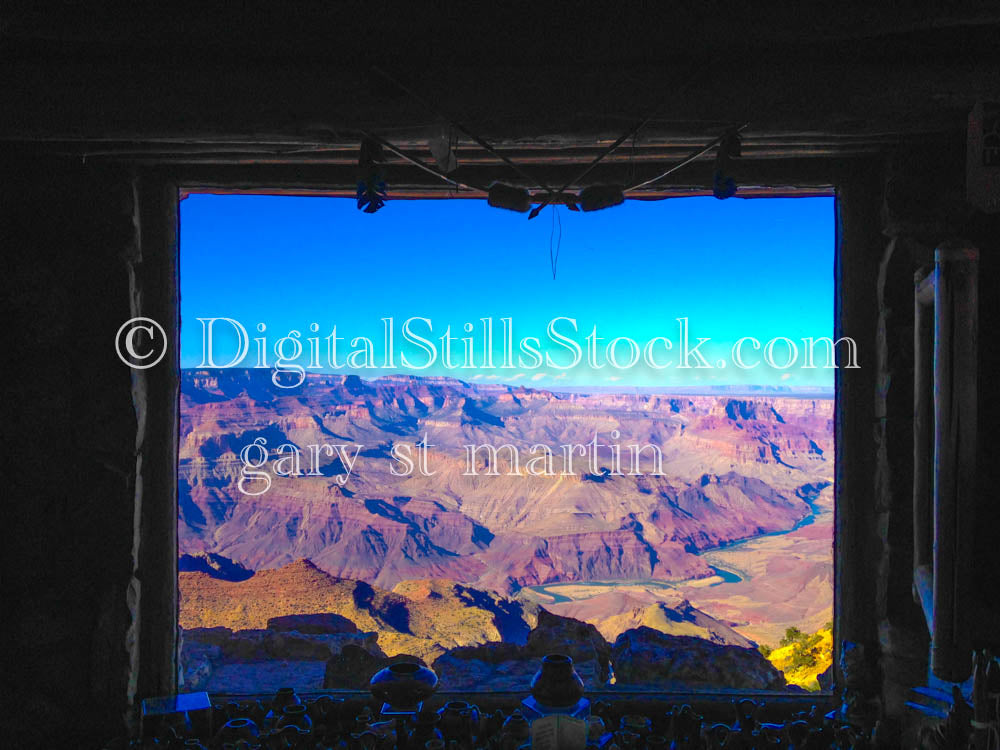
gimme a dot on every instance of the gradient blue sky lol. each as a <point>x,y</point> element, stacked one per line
<point>761,268</point>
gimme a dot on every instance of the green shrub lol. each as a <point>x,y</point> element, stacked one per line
<point>805,652</point>
<point>792,635</point>
<point>805,648</point>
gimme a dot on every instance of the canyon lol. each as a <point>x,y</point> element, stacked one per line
<point>730,543</point>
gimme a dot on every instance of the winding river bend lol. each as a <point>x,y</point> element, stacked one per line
<point>724,575</point>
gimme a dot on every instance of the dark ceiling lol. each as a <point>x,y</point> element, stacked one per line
<point>507,34</point>
<point>265,83</point>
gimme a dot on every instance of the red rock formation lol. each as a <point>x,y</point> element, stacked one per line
<point>732,470</point>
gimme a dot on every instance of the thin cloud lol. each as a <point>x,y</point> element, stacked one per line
<point>786,375</point>
<point>539,376</point>
<point>614,378</point>
<point>518,376</point>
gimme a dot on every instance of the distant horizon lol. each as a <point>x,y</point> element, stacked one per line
<point>734,389</point>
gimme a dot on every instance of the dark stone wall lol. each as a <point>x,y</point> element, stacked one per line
<point>69,494</point>
<point>924,207</point>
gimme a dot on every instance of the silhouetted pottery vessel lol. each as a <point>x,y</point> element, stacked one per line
<point>627,740</point>
<point>425,728</point>
<point>235,730</point>
<point>366,740</point>
<point>294,715</point>
<point>403,685</point>
<point>459,722</point>
<point>516,732</point>
<point>641,725</point>
<point>557,683</point>
<point>284,696</point>
<point>324,710</point>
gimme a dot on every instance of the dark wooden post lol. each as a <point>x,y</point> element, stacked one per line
<point>923,441</point>
<point>155,397</point>
<point>859,248</point>
<point>956,306</point>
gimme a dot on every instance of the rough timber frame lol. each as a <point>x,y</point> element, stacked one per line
<point>858,191</point>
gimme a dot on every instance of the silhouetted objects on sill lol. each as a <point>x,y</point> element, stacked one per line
<point>403,686</point>
<point>235,730</point>
<point>187,712</point>
<point>425,728</point>
<point>556,689</point>
<point>284,696</point>
<point>459,722</point>
<point>294,716</point>
<point>515,732</point>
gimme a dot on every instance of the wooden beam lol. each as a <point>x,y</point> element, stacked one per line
<point>956,331</point>
<point>146,98</point>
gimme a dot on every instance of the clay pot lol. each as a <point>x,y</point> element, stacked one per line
<point>425,728</point>
<point>635,723</point>
<point>294,716</point>
<point>366,740</point>
<point>459,722</point>
<point>235,730</point>
<point>403,685</point>
<point>324,710</point>
<point>627,740</point>
<point>282,697</point>
<point>557,683</point>
<point>516,732</point>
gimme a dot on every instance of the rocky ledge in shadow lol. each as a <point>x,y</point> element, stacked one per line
<point>640,658</point>
<point>214,565</point>
<point>510,666</point>
<point>297,638</point>
<point>326,623</point>
<point>644,656</point>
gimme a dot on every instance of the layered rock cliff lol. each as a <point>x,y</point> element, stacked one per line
<point>732,468</point>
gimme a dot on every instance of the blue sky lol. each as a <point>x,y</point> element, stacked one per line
<point>734,268</point>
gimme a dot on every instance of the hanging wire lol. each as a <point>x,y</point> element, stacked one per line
<point>554,256</point>
<point>631,168</point>
<point>533,180</point>
<point>687,160</point>
<point>611,148</point>
<point>417,162</point>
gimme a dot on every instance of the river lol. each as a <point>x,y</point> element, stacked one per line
<point>724,575</point>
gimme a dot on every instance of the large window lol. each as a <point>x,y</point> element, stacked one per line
<point>447,432</point>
